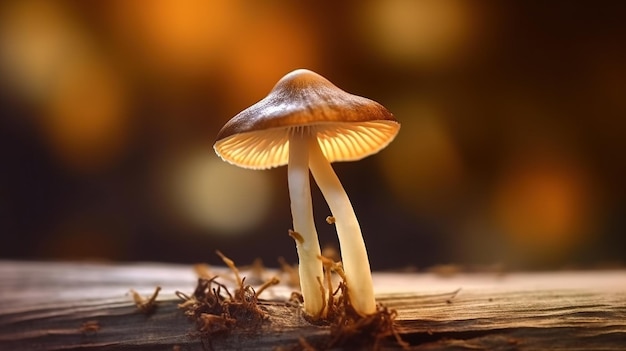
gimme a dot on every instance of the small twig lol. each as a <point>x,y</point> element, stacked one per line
<point>322,313</point>
<point>211,324</point>
<point>202,270</point>
<point>267,284</point>
<point>181,295</point>
<point>145,306</point>
<point>231,264</point>
<point>296,236</point>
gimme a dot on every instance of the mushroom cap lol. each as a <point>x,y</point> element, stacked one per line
<point>348,127</point>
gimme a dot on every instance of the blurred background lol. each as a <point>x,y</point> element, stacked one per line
<point>512,150</point>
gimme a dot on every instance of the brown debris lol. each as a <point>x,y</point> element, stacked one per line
<point>331,252</point>
<point>144,305</point>
<point>348,328</point>
<point>202,270</point>
<point>91,326</point>
<point>296,299</point>
<point>232,267</point>
<point>296,236</point>
<point>267,284</point>
<point>211,324</point>
<point>217,311</point>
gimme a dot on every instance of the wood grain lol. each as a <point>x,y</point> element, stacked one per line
<point>72,306</point>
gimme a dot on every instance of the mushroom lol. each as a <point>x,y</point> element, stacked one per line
<point>307,122</point>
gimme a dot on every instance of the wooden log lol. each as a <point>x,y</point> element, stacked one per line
<point>72,306</point>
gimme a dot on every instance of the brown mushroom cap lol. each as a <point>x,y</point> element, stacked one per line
<point>348,127</point>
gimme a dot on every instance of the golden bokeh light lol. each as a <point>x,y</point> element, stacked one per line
<point>240,47</point>
<point>543,205</point>
<point>264,48</point>
<point>422,165</point>
<point>219,197</point>
<point>37,40</point>
<point>409,32</point>
<point>54,63</point>
<point>184,36</point>
<point>86,121</point>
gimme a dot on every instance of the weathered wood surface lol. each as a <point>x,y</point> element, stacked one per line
<point>69,306</point>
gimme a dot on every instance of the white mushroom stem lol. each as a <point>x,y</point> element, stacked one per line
<point>307,243</point>
<point>353,253</point>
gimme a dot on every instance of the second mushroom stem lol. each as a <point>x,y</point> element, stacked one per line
<point>353,252</point>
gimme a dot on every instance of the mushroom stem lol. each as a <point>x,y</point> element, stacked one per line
<point>307,244</point>
<point>353,253</point>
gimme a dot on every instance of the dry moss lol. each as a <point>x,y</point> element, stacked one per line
<point>349,328</point>
<point>217,311</point>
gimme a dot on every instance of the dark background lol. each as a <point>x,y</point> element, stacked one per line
<point>512,148</point>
